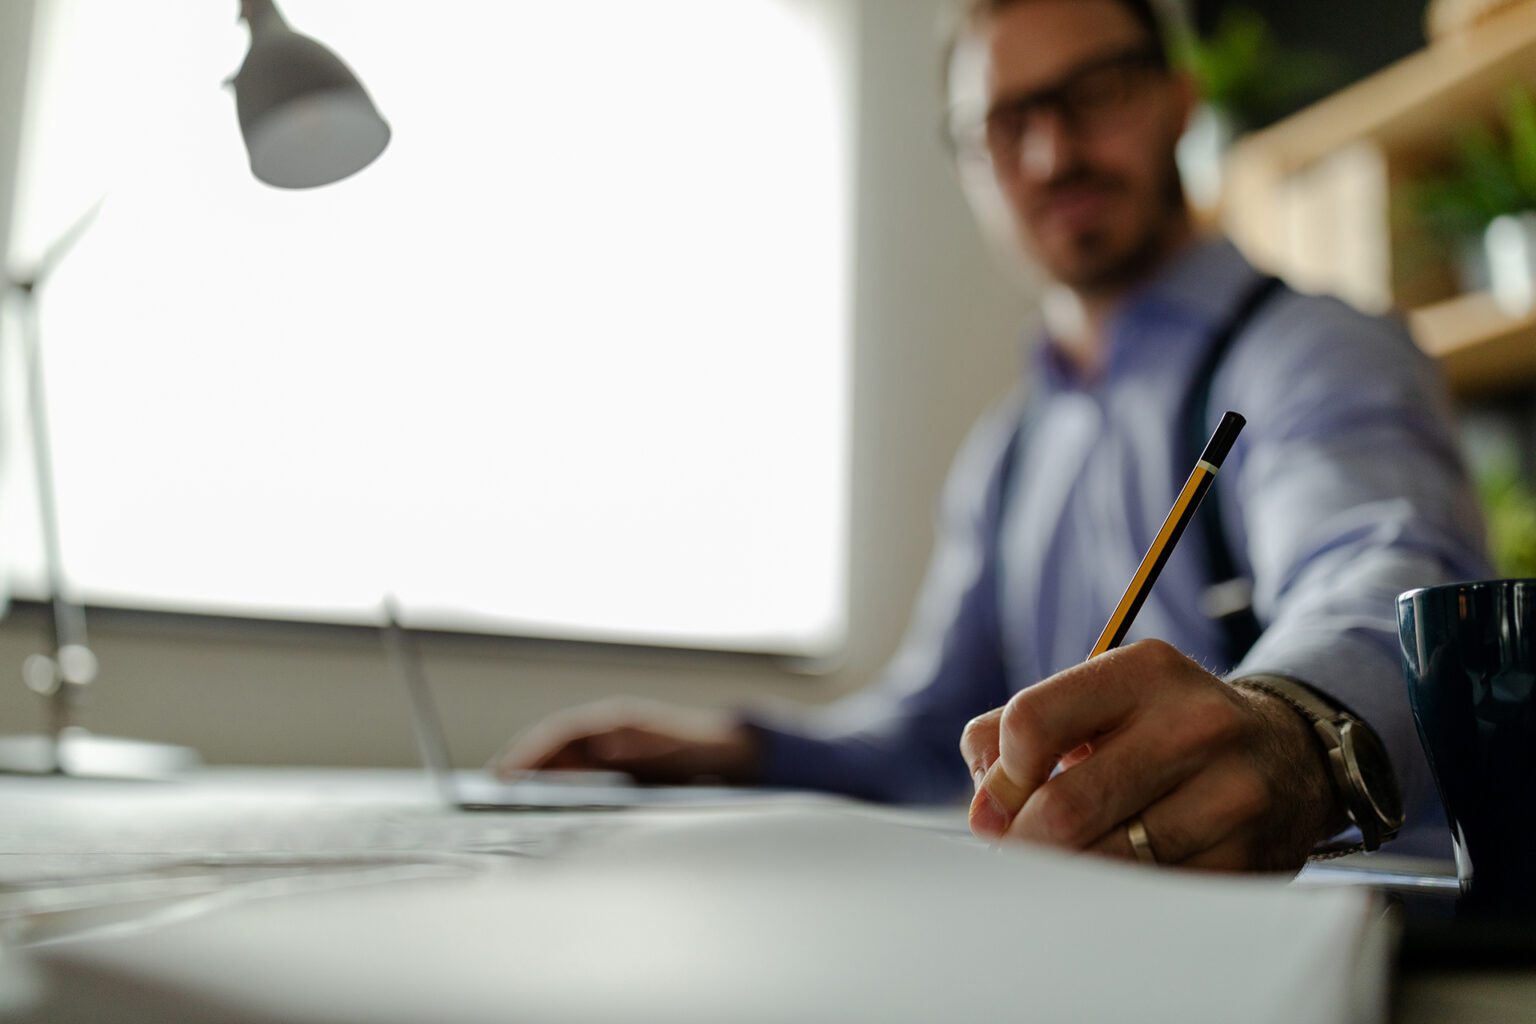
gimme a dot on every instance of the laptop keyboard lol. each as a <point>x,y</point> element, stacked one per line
<point>60,829</point>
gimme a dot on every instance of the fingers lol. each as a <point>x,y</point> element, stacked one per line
<point>994,790</point>
<point>1131,769</point>
<point>1047,721</point>
<point>634,748</point>
<point>1176,735</point>
<point>996,793</point>
<point>995,803</point>
<point>564,742</point>
<point>655,744</point>
<point>542,751</point>
<point>1053,719</point>
<point>1232,855</point>
<point>1209,821</point>
<point>978,743</point>
<point>619,748</point>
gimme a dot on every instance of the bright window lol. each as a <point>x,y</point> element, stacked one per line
<point>570,359</point>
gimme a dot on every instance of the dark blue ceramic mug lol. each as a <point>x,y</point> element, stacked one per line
<point>1469,654</point>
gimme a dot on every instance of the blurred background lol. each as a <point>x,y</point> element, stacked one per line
<point>634,364</point>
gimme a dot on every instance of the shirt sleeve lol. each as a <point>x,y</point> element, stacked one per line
<point>898,741</point>
<point>1351,490</point>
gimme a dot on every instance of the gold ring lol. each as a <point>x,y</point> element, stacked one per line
<point>1136,832</point>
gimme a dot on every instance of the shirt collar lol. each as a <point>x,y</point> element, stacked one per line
<point>1205,282</point>
<point>1192,295</point>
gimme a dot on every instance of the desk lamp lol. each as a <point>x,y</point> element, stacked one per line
<point>306,121</point>
<point>305,117</point>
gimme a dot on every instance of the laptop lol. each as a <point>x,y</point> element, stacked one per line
<point>537,791</point>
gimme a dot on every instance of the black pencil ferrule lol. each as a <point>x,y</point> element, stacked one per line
<point>1221,442</point>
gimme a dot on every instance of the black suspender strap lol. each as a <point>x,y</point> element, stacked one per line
<point>1000,486</point>
<point>1229,599</point>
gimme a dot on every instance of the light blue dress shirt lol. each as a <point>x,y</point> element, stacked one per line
<point>1345,489</point>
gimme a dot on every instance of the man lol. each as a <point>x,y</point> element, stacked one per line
<point>1344,490</point>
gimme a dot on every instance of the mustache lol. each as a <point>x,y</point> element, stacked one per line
<point>1074,178</point>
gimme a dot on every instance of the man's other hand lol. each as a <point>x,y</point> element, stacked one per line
<point>1221,777</point>
<point>655,743</point>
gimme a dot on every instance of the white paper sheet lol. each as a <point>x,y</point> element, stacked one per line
<point>766,914</point>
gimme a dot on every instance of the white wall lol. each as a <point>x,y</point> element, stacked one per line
<point>936,339</point>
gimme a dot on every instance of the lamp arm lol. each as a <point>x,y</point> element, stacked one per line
<point>68,620</point>
<point>61,677</point>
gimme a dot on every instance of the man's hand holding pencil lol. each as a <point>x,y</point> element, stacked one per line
<point>1140,752</point>
<point>1218,776</point>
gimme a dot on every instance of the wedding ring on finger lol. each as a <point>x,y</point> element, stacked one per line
<point>1136,832</point>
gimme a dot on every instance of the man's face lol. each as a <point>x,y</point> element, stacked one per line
<point>1079,133</point>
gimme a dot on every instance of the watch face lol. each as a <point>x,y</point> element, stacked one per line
<point>1369,765</point>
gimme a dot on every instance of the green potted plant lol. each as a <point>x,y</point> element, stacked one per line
<point>1246,79</point>
<point>1510,506</point>
<point>1483,208</point>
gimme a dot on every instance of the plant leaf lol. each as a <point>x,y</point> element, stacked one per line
<point>1520,121</point>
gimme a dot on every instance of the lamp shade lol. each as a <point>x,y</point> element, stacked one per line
<point>306,119</point>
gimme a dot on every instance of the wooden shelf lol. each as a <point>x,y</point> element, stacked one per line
<point>1318,197</point>
<point>1415,102</point>
<point>1482,349</point>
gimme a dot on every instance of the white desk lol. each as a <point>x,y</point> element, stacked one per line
<point>296,895</point>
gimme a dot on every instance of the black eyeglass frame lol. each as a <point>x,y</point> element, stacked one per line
<point>965,135</point>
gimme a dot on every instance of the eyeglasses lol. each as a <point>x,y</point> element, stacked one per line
<point>1097,96</point>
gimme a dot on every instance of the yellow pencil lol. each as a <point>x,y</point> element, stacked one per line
<point>1195,488</point>
<point>1200,480</point>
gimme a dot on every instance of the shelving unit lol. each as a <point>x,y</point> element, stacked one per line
<point>1481,348</point>
<point>1317,197</point>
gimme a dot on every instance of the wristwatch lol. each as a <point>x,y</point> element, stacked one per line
<point>1361,773</point>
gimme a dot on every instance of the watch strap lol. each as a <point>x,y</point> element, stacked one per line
<point>1298,695</point>
<point>1329,722</point>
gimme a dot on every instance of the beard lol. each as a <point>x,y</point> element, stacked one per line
<point>1112,256</point>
